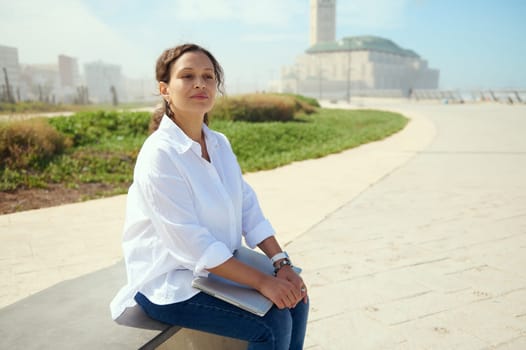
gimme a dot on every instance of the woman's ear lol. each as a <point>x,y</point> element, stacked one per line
<point>163,90</point>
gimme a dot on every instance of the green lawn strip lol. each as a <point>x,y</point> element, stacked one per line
<point>108,156</point>
<point>261,146</point>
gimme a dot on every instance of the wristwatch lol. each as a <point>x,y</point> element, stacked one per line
<point>284,262</point>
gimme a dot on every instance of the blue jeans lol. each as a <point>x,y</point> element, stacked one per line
<point>277,330</point>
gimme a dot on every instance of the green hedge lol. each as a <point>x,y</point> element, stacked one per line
<point>93,127</point>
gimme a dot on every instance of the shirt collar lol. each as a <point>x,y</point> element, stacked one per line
<point>211,140</point>
<point>182,142</point>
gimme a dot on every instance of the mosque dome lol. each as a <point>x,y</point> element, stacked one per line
<point>361,43</point>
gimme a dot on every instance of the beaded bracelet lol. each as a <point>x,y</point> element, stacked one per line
<point>284,262</point>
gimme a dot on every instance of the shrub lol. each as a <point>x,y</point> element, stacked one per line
<point>255,108</point>
<point>28,143</point>
<point>308,100</point>
<point>303,107</point>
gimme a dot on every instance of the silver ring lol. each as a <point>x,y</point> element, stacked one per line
<point>303,290</point>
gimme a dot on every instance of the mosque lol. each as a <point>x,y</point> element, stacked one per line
<point>358,65</point>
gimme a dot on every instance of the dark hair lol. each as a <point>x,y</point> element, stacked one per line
<point>162,74</point>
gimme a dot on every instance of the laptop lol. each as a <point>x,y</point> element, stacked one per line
<point>237,294</point>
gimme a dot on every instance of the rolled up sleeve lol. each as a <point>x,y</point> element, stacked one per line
<point>216,254</point>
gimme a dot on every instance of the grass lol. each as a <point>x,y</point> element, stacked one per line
<point>260,146</point>
<point>108,156</point>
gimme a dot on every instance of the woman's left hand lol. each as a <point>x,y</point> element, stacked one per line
<point>287,273</point>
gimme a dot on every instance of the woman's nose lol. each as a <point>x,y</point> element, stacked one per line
<point>200,83</point>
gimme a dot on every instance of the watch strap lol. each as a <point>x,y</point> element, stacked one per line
<point>279,256</point>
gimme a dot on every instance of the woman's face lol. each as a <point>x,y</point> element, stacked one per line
<point>192,86</point>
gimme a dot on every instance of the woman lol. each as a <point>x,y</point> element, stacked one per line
<point>187,210</point>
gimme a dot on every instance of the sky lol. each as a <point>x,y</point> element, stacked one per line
<point>476,44</point>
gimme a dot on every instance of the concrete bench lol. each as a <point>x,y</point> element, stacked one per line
<point>74,314</point>
<point>173,337</point>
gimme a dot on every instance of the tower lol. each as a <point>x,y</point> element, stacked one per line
<point>322,21</point>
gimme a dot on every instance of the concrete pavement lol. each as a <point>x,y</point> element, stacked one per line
<point>414,242</point>
<point>433,256</point>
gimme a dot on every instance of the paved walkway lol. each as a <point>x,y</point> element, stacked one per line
<point>433,256</point>
<point>414,242</point>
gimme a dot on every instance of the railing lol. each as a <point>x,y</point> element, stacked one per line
<point>511,96</point>
<point>461,96</point>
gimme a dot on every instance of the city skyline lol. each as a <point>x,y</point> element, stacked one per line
<point>474,47</point>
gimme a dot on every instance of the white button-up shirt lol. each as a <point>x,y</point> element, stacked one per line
<point>184,215</point>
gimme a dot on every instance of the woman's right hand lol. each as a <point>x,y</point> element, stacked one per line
<point>281,292</point>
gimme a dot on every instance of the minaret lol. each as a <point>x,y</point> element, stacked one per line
<point>322,21</point>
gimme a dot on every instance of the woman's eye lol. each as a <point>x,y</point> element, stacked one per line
<point>188,76</point>
<point>209,77</point>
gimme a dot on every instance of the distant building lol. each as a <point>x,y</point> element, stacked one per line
<point>100,77</point>
<point>68,69</point>
<point>9,61</point>
<point>361,65</point>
